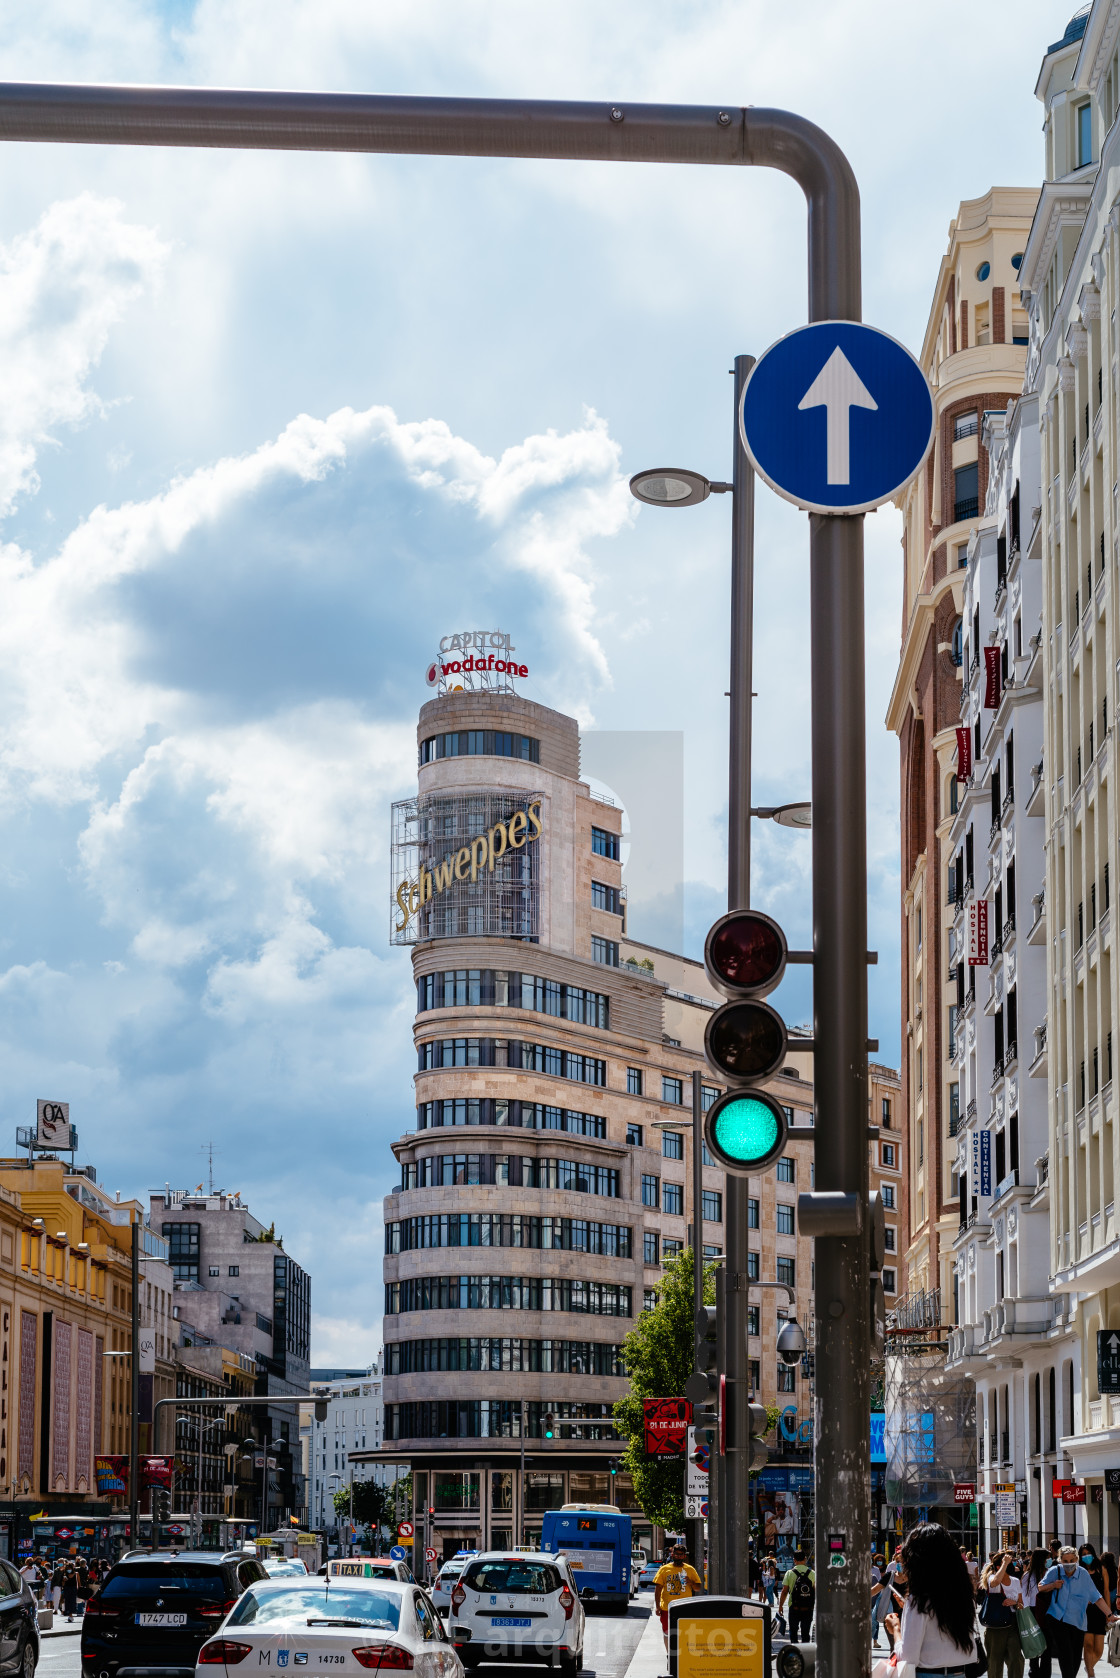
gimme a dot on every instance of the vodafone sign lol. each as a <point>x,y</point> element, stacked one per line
<point>481,664</point>
<point>474,659</point>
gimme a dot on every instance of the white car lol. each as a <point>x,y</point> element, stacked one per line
<point>518,1607</point>
<point>371,1567</point>
<point>284,1567</point>
<point>444,1582</point>
<point>351,1626</point>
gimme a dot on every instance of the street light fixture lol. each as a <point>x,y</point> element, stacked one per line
<point>799,816</point>
<point>673,486</point>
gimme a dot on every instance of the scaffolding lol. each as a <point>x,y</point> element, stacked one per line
<point>496,890</point>
<point>929,1432</point>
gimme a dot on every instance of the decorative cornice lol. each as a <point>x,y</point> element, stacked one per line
<point>1077,342</point>
<point>1067,374</point>
<point>1090,303</point>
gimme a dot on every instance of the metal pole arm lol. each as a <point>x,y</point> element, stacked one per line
<point>248,119</point>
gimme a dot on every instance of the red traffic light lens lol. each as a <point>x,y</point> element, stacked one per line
<point>745,1040</point>
<point>745,951</point>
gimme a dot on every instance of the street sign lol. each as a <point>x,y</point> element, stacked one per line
<point>837,417</point>
<point>398,1553</point>
<point>964,1491</point>
<point>696,1468</point>
<point>695,1508</point>
<point>430,1554</point>
<point>405,1529</point>
<point>1007,1509</point>
<point>719,1637</point>
<point>1108,1361</point>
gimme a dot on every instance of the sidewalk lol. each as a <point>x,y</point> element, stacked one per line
<point>649,1659</point>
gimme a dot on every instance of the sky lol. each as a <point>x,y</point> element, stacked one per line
<point>272,424</point>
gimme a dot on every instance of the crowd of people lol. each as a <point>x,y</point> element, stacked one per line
<point>944,1614</point>
<point>64,1584</point>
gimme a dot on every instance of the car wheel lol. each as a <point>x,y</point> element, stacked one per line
<point>569,1667</point>
<point>26,1666</point>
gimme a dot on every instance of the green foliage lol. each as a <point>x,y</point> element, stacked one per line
<point>659,1353</point>
<point>373,1504</point>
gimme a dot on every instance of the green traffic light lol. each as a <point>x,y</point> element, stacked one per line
<point>746,1132</point>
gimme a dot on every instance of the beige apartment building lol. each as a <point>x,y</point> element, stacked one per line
<point>549,1175</point>
<point>973,354</point>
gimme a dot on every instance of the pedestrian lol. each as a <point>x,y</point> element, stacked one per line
<point>799,1587</point>
<point>769,1577</point>
<point>674,1582</point>
<point>29,1573</point>
<point>58,1573</point>
<point>973,1567</point>
<point>936,1633</point>
<point>1108,1562</point>
<point>1094,1619</point>
<point>70,1590</point>
<point>1041,1665</point>
<point>1071,1592</point>
<point>1000,1595</point>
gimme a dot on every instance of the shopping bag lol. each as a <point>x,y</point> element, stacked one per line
<point>1113,1648</point>
<point>884,1668</point>
<point>1031,1637</point>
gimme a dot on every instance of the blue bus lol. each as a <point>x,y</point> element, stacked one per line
<point>596,1539</point>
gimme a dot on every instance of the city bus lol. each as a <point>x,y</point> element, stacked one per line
<point>596,1538</point>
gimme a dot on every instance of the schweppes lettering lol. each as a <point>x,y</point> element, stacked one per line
<point>472,859</point>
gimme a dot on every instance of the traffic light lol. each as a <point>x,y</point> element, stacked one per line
<point>746,1041</point>
<point>703,1386</point>
<point>613,1466</point>
<point>758,1423</point>
<point>549,1428</point>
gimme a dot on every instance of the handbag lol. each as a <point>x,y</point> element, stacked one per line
<point>1113,1646</point>
<point>978,1667</point>
<point>1032,1639</point>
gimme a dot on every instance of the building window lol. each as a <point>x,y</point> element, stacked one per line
<point>888,1281</point>
<point>672,1199</point>
<point>650,1188</point>
<point>888,1156</point>
<point>672,1091</point>
<point>604,951</point>
<point>786,1271</point>
<point>887,1194</point>
<point>215,1270</point>
<point>966,491</point>
<point>480,743</point>
<point>785,1220</point>
<point>235,1270</point>
<point>183,1241</point>
<point>706,1156</point>
<point>756,1375</point>
<point>965,425</point>
<point>633,1080</point>
<point>786,1373</point>
<point>671,1248</point>
<point>752,1214</point>
<point>888,1239</point>
<point>606,844</point>
<point>752,1267</point>
<point>785,1171</point>
<point>672,1145</point>
<point>634,1135</point>
<point>649,1247</point>
<point>708,1097</point>
<point>1084,135</point>
<point>711,1207</point>
<point>886,1121</point>
<point>649,1299</point>
<point>606,897</point>
<point>754,1320</point>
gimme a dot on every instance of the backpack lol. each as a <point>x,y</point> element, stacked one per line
<point>803,1593</point>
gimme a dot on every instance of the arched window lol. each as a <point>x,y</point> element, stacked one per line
<point>958,643</point>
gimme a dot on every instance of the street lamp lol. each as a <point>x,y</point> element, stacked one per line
<point>799,816</point>
<point>674,486</point>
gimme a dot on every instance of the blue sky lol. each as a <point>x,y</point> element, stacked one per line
<point>272,424</point>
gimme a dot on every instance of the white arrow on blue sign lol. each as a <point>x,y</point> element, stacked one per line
<point>837,417</point>
<point>398,1553</point>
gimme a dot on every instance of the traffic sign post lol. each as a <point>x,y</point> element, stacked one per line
<point>735,137</point>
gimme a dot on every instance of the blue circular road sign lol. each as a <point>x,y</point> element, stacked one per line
<point>837,417</point>
<point>398,1553</point>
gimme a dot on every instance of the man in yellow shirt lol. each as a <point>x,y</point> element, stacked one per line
<point>675,1582</point>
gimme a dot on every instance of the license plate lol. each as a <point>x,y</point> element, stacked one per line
<point>508,1620</point>
<point>161,1619</point>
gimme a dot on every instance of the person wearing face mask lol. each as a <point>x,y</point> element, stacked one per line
<point>1094,1619</point>
<point>1072,1591</point>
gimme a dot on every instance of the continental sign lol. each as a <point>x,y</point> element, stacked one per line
<point>477,856</point>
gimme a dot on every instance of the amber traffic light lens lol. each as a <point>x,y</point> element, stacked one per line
<point>745,950</point>
<point>745,1040</point>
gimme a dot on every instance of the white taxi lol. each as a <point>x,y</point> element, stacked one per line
<point>520,1607</point>
<point>343,1625</point>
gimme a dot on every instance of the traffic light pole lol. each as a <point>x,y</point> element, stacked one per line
<point>733,1505</point>
<point>728,136</point>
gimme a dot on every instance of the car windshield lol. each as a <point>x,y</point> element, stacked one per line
<point>315,1601</point>
<point>529,1577</point>
<point>150,1579</point>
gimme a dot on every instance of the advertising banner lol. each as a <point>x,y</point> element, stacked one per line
<point>52,1124</point>
<point>978,932</point>
<point>666,1426</point>
<point>112,1476</point>
<point>964,1491</point>
<point>156,1471</point>
<point>147,1351</point>
<point>992,677</point>
<point>1072,1493</point>
<point>964,753</point>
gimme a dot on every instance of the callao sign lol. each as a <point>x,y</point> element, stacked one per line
<point>476,657</point>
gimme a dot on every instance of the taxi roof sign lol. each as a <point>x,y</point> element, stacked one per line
<point>358,1569</point>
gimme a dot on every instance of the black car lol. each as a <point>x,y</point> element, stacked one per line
<point>155,1611</point>
<point>19,1624</point>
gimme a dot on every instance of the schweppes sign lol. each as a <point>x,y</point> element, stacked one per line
<point>476,857</point>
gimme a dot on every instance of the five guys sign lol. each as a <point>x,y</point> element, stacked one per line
<point>666,1426</point>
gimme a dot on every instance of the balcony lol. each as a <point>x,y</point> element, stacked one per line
<point>969,508</point>
<point>1037,1067</point>
<point>1035,796</point>
<point>1037,933</point>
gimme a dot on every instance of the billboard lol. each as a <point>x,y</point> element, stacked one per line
<point>52,1124</point>
<point>666,1426</point>
<point>111,1474</point>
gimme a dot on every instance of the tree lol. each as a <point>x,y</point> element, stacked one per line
<point>659,1354</point>
<point>373,1504</point>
